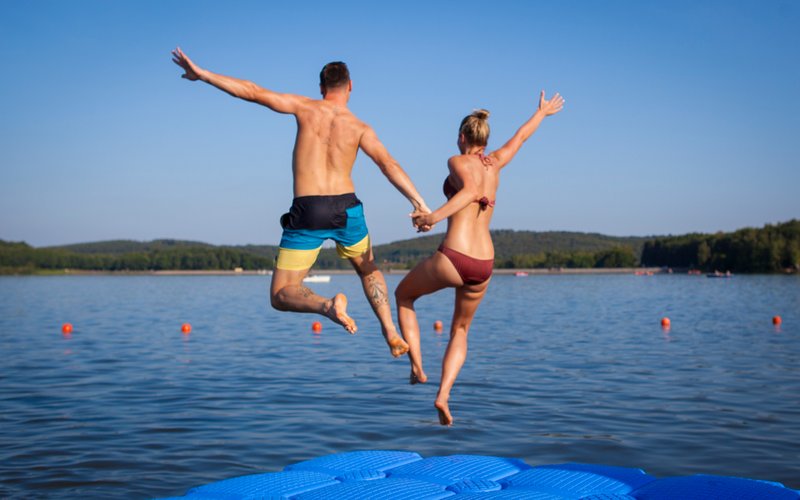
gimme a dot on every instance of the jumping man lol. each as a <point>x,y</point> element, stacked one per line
<point>325,205</point>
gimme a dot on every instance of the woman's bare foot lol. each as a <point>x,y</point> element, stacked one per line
<point>397,345</point>
<point>444,412</point>
<point>417,377</point>
<point>337,312</point>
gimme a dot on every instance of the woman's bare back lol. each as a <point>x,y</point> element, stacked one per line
<point>468,229</point>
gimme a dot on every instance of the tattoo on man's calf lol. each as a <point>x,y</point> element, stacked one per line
<point>377,292</point>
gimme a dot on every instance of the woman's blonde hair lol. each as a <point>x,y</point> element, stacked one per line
<point>475,128</point>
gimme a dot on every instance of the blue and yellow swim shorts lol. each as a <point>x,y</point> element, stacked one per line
<point>313,219</point>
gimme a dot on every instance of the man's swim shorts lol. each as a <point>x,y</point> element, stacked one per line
<point>313,219</point>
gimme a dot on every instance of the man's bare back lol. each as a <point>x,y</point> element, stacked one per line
<point>328,137</point>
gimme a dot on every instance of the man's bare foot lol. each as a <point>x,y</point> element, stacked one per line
<point>444,412</point>
<point>417,377</point>
<point>337,312</point>
<point>397,345</point>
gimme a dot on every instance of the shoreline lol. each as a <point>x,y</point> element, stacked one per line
<point>522,272</point>
<point>503,272</point>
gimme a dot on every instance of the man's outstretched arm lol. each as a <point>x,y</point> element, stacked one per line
<point>243,89</point>
<point>373,147</point>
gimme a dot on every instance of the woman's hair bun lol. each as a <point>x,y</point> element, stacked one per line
<point>480,114</point>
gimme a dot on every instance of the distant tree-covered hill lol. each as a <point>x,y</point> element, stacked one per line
<point>773,248</point>
<point>530,249</point>
<point>124,255</point>
<point>770,249</point>
<point>513,249</point>
<point>119,247</point>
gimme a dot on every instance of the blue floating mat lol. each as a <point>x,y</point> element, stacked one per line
<point>579,480</point>
<point>281,485</point>
<point>457,468</point>
<point>703,487</point>
<point>406,475</point>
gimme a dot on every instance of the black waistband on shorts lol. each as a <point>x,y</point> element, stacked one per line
<point>319,211</point>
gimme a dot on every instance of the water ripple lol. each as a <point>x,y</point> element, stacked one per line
<point>561,368</point>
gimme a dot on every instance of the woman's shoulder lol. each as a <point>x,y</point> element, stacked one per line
<point>457,158</point>
<point>460,160</point>
<point>459,165</point>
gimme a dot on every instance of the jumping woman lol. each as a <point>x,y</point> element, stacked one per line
<point>464,259</point>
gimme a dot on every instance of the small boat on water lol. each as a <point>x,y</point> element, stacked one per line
<point>717,274</point>
<point>520,274</point>
<point>317,278</point>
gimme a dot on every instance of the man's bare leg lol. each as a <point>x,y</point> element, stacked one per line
<point>378,296</point>
<point>287,293</point>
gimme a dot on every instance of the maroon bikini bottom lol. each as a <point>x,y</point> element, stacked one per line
<point>472,271</point>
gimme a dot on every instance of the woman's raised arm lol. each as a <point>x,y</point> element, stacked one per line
<point>546,108</point>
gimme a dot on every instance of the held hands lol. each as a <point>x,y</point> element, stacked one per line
<point>551,107</point>
<point>191,70</point>
<point>422,219</point>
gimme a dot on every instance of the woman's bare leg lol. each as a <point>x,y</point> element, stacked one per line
<point>432,274</point>
<point>468,298</point>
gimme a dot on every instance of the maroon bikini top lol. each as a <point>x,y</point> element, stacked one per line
<point>450,191</point>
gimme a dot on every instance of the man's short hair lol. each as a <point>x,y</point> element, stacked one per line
<point>334,74</point>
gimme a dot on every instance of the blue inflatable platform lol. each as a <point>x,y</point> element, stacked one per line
<point>401,475</point>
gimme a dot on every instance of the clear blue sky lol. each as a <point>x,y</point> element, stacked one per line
<point>680,116</point>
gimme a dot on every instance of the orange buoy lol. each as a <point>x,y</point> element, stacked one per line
<point>316,326</point>
<point>437,325</point>
<point>186,328</point>
<point>665,323</point>
<point>66,328</point>
<point>776,320</point>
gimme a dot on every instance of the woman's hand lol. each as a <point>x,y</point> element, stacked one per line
<point>423,221</point>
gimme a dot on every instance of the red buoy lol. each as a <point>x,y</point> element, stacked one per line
<point>776,320</point>
<point>438,325</point>
<point>665,323</point>
<point>66,328</point>
<point>316,327</point>
<point>186,328</point>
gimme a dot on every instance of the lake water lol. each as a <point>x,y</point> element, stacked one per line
<point>560,369</point>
